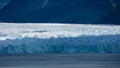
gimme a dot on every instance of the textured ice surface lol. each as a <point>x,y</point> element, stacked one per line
<point>13,31</point>
<point>58,38</point>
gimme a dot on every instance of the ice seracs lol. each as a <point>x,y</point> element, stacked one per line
<point>48,30</point>
<point>58,38</point>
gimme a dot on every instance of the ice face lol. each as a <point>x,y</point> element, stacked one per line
<point>83,44</point>
<point>58,38</point>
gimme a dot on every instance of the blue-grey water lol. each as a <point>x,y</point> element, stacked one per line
<point>61,61</point>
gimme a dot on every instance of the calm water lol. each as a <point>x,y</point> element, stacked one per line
<point>61,61</point>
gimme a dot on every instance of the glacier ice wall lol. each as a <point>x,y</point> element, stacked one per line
<point>83,44</point>
<point>58,38</point>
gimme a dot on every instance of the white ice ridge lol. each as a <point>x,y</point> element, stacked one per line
<point>49,30</point>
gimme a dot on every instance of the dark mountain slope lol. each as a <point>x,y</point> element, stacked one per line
<point>60,11</point>
<point>111,18</point>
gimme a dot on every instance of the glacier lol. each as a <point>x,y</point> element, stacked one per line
<point>30,38</point>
